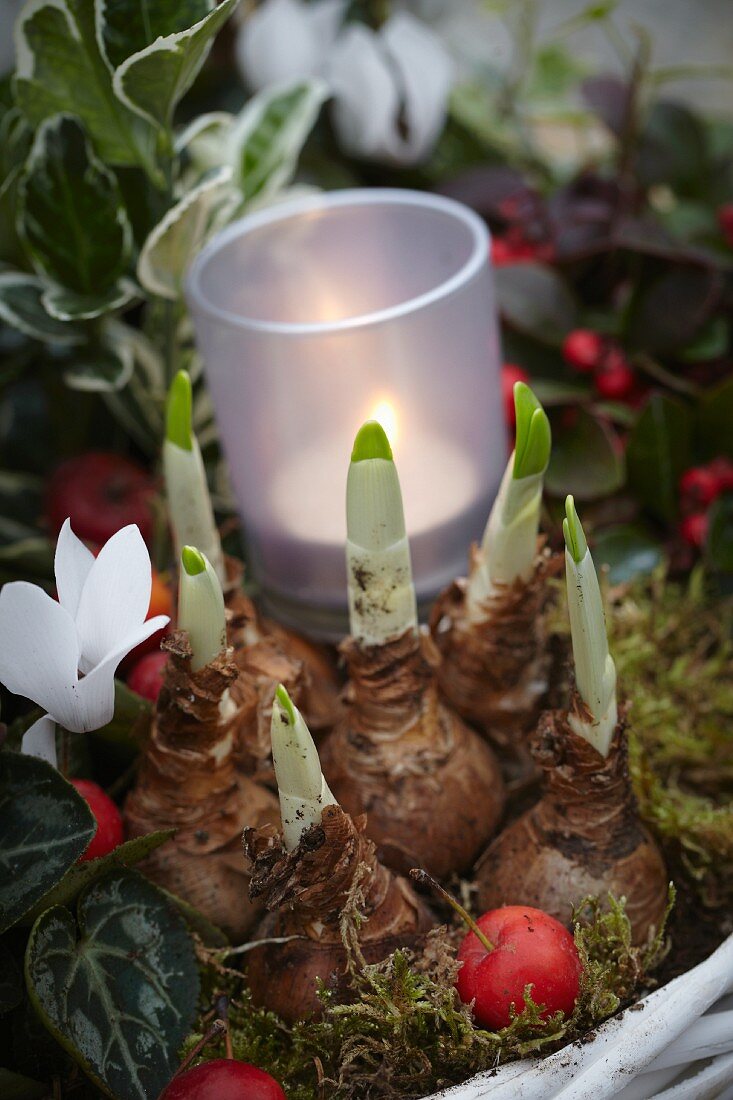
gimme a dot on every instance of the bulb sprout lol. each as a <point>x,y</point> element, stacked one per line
<point>303,790</point>
<point>178,419</point>
<point>201,610</point>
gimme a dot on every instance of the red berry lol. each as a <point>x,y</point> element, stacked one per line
<point>722,469</point>
<point>582,349</point>
<point>223,1079</point>
<point>509,375</point>
<point>146,675</point>
<point>694,529</point>
<point>110,833</point>
<point>614,379</point>
<point>700,485</point>
<point>100,493</point>
<point>530,948</point>
<point>725,221</point>
<point>507,251</point>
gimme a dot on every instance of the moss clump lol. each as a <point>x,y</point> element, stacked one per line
<point>406,1034</point>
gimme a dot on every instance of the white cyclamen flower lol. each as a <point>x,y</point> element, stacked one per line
<point>63,655</point>
<point>390,90</point>
<point>285,40</point>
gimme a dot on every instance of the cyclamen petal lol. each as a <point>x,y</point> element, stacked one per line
<point>72,564</point>
<point>284,40</point>
<point>115,598</point>
<point>97,688</point>
<point>426,73</point>
<point>39,740</point>
<point>365,98</point>
<point>39,649</point>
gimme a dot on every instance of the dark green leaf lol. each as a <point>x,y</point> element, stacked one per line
<point>585,459</point>
<point>36,1052</point>
<point>78,877</point>
<point>101,370</point>
<point>11,981</point>
<point>21,307</point>
<point>628,551</point>
<point>14,1086</point>
<point>710,343</point>
<point>60,70</point>
<point>658,452</point>
<point>131,722</point>
<point>119,990</point>
<point>719,543</point>
<point>672,147</point>
<point>714,428</point>
<point>152,81</point>
<point>128,26</point>
<point>66,305</point>
<point>208,933</point>
<point>667,312</point>
<point>44,828</point>
<point>72,218</point>
<point>536,300</point>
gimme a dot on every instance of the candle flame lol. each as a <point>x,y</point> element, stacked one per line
<point>386,414</point>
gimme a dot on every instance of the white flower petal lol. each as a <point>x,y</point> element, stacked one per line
<point>40,740</point>
<point>426,72</point>
<point>326,17</point>
<point>72,565</point>
<point>39,650</point>
<point>280,42</point>
<point>97,689</point>
<point>365,99</point>
<point>115,598</point>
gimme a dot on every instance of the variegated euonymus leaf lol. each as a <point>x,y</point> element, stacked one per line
<point>184,230</point>
<point>44,828</point>
<point>269,134</point>
<point>101,370</point>
<point>128,26</point>
<point>118,985</point>
<point>153,80</point>
<point>21,306</point>
<point>73,221</point>
<point>59,69</point>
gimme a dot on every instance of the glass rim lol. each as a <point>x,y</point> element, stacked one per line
<point>352,196</point>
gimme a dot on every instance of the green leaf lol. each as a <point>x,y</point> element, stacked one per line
<point>269,134</point>
<point>536,301</point>
<point>22,307</point>
<point>78,877</point>
<point>714,427</point>
<point>152,81</point>
<point>66,305</point>
<point>119,989</point>
<point>668,311</point>
<point>628,551</point>
<point>585,460</point>
<point>72,218</point>
<point>60,70</point>
<point>11,981</point>
<point>182,233</point>
<point>672,147</point>
<point>128,26</point>
<point>711,342</point>
<point>209,934</point>
<point>15,1086</point>
<point>44,828</point>
<point>101,370</point>
<point>658,452</point>
<point>719,542</point>
<point>131,721</point>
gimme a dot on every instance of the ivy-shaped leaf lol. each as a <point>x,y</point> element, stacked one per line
<point>128,26</point>
<point>153,80</point>
<point>71,214</point>
<point>60,69</point>
<point>269,134</point>
<point>44,828</point>
<point>183,231</point>
<point>118,986</point>
<point>22,307</point>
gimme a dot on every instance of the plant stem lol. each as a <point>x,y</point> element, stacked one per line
<point>217,1028</point>
<point>424,879</point>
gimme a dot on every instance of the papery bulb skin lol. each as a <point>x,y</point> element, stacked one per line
<point>332,872</point>
<point>529,948</point>
<point>100,492</point>
<point>110,831</point>
<point>583,838</point>
<point>430,786</point>
<point>188,780</point>
<point>223,1079</point>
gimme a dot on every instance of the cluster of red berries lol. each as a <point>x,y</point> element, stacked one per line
<point>588,352</point>
<point>699,487</point>
<point>524,236</point>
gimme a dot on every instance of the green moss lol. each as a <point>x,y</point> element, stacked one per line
<point>406,1034</point>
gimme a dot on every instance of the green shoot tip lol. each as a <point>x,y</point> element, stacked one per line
<point>533,434</point>
<point>178,412</point>
<point>573,532</point>
<point>371,442</point>
<point>286,703</point>
<point>193,561</point>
